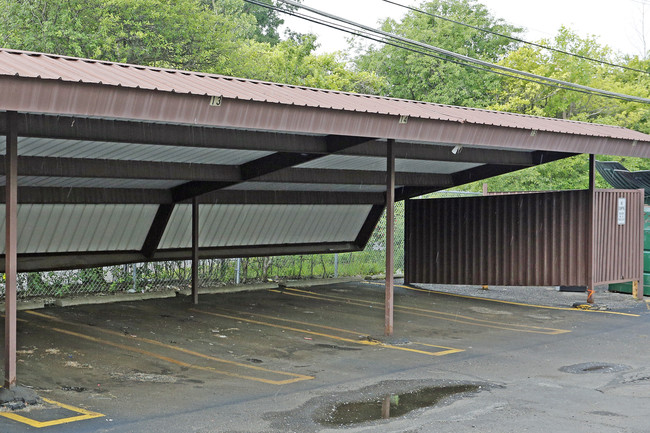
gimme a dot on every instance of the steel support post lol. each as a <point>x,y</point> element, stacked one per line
<point>195,250</point>
<point>591,240</point>
<point>390,235</point>
<point>11,256</point>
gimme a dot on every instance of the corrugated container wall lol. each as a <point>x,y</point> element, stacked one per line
<point>618,252</point>
<point>536,239</point>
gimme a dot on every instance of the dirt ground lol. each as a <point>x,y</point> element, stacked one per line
<point>284,360</point>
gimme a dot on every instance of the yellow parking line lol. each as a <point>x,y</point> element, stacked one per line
<point>85,414</point>
<point>346,331</point>
<point>451,317</point>
<point>333,337</point>
<point>295,377</point>
<point>506,302</point>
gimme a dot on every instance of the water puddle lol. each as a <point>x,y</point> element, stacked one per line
<point>391,406</point>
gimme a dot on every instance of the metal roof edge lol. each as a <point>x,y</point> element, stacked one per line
<point>437,111</point>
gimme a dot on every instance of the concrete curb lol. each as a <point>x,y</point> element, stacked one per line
<point>119,297</point>
<point>230,289</point>
<point>35,304</point>
<point>269,286</point>
<point>320,282</point>
<point>29,304</point>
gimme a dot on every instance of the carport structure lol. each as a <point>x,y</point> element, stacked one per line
<point>108,163</point>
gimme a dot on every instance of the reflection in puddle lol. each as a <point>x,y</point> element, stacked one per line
<point>391,406</point>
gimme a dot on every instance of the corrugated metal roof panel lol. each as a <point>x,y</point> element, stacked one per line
<point>54,67</point>
<point>132,152</point>
<point>234,225</point>
<point>373,163</point>
<point>74,228</point>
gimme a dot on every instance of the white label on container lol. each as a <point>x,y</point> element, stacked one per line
<point>621,211</point>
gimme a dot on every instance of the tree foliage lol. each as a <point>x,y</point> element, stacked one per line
<point>416,76</point>
<point>550,101</point>
<point>220,36</point>
<point>531,98</point>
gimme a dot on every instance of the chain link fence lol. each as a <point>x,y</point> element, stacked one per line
<point>176,275</point>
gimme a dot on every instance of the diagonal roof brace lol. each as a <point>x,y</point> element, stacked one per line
<point>249,171</point>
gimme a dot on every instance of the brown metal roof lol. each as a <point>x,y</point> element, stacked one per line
<point>74,70</point>
<point>100,142</point>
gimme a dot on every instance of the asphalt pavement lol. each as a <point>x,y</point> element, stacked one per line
<point>308,359</point>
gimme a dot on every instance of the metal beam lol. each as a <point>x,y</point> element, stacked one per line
<point>121,131</point>
<point>442,152</point>
<point>292,197</point>
<point>61,195</point>
<point>355,177</point>
<point>263,166</point>
<point>203,174</point>
<point>62,261</point>
<point>11,248</point>
<point>92,129</point>
<point>157,230</point>
<point>390,236</point>
<point>591,236</point>
<point>195,188</point>
<point>479,173</point>
<point>369,225</point>
<point>121,169</point>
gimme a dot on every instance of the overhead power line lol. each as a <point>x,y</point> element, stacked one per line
<point>385,37</point>
<point>534,44</point>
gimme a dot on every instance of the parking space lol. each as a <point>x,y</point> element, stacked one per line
<point>231,362</point>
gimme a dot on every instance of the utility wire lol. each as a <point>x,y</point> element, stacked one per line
<point>463,58</point>
<point>413,49</point>
<point>545,47</point>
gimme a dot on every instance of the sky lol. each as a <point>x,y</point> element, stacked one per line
<point>616,23</point>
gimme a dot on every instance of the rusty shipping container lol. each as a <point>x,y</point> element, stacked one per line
<point>540,239</point>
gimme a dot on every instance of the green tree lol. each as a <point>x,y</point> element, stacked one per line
<point>218,36</point>
<point>416,76</point>
<point>537,99</point>
<point>293,61</point>
<point>166,33</point>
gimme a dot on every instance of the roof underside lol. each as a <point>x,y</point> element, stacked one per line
<point>111,155</point>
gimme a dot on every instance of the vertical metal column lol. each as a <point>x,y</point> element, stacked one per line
<point>590,241</point>
<point>390,235</point>
<point>195,250</point>
<point>11,256</point>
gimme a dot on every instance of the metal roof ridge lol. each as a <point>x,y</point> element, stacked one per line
<point>240,79</point>
<point>451,112</point>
